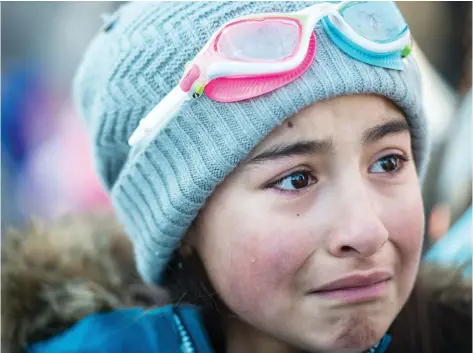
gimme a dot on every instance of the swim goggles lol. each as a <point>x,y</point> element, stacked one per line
<point>256,54</point>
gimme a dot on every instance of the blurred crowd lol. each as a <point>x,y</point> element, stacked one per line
<point>47,168</point>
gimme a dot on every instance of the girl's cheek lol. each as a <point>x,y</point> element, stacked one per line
<point>406,224</point>
<point>265,262</point>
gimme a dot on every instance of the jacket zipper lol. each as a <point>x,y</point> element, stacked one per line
<point>381,346</point>
<point>186,343</point>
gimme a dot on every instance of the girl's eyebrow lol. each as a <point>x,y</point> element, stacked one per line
<point>293,149</point>
<point>300,148</point>
<point>378,132</point>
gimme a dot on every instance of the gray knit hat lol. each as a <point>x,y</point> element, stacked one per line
<point>139,56</point>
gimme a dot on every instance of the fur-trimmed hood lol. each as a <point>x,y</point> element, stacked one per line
<point>54,275</point>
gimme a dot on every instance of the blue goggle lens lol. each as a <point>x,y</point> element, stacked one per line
<point>378,21</point>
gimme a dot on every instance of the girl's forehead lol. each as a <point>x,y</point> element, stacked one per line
<point>338,118</point>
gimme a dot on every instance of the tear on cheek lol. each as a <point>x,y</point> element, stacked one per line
<point>275,264</point>
<point>258,274</point>
<point>262,266</point>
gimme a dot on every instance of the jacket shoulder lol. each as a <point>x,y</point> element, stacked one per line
<point>120,331</point>
<point>137,330</point>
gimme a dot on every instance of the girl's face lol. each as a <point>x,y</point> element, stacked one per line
<point>314,240</point>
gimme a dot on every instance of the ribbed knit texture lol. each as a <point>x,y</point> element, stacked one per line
<point>158,190</point>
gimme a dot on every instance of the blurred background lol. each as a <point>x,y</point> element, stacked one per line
<point>47,169</point>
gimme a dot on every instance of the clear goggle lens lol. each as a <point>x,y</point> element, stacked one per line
<point>260,40</point>
<point>378,21</point>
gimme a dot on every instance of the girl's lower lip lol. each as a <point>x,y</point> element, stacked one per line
<point>355,294</point>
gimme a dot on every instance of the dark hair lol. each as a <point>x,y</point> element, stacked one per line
<point>437,315</point>
<point>187,282</point>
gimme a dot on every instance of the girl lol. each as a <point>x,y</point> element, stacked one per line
<point>286,200</point>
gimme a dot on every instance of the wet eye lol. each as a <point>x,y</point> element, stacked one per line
<point>389,164</point>
<point>296,181</point>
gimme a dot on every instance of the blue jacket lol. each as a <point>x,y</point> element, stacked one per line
<point>166,329</point>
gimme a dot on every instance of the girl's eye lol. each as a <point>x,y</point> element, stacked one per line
<point>389,164</point>
<point>295,182</point>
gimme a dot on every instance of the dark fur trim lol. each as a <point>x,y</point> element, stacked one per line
<point>53,275</point>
